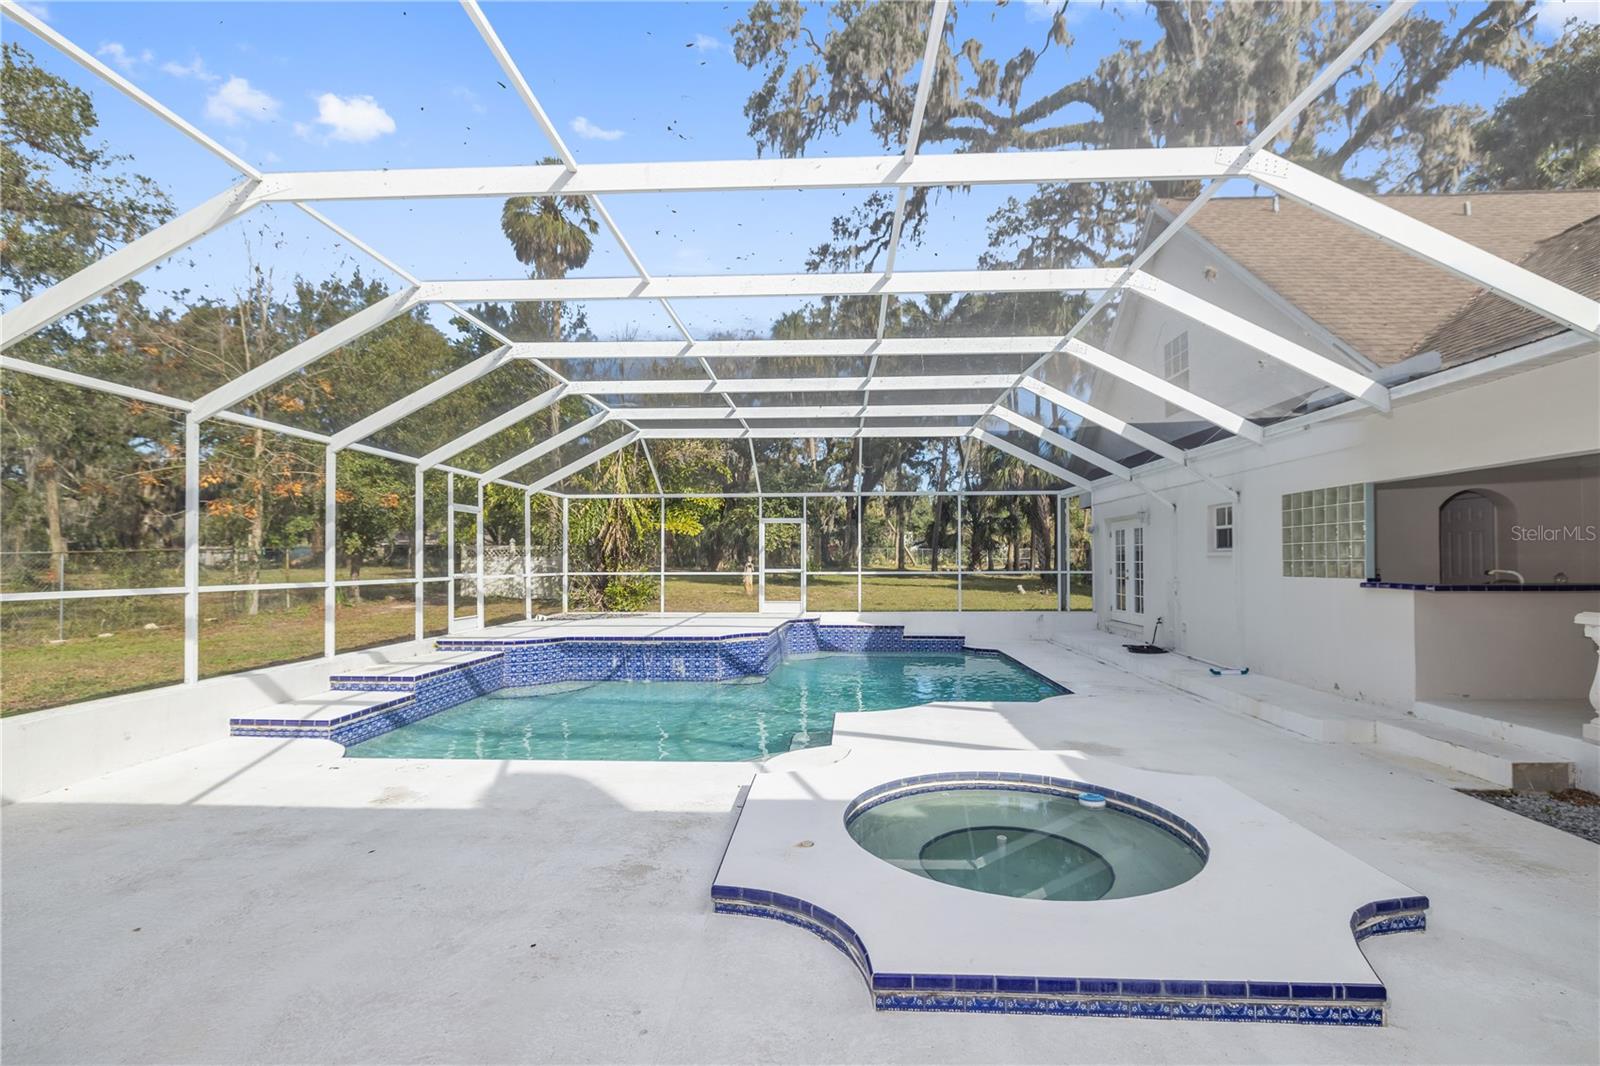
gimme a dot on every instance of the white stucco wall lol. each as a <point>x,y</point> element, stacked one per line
<point>1328,633</point>
<point>1494,645</point>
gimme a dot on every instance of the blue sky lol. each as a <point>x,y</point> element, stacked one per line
<point>366,85</point>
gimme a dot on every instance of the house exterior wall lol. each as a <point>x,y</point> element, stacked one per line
<point>1328,633</point>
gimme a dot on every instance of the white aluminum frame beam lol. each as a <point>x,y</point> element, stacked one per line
<point>696,387</point>
<point>1072,447</point>
<point>1399,230</point>
<point>13,365</point>
<point>1089,413</point>
<point>586,461</point>
<point>485,430</point>
<point>919,107</point>
<point>1148,441</point>
<point>723,286</point>
<point>760,432</point>
<point>1028,457</point>
<point>756,175</point>
<point>1313,364</point>
<point>855,410</point>
<point>1216,414</point>
<point>420,398</point>
<point>1066,444</point>
<point>305,353</point>
<point>103,275</point>
<point>571,433</point>
<point>904,346</point>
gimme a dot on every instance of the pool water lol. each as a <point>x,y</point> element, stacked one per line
<point>696,721</point>
<point>1025,844</point>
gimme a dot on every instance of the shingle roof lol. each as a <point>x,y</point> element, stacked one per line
<point>1382,302</point>
<point>1490,324</point>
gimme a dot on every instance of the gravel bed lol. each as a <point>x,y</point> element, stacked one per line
<point>1571,810</point>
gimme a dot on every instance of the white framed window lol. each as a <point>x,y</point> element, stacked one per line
<point>1221,535</point>
<point>1175,364</point>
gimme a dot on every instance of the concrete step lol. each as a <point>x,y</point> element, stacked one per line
<point>1542,726</point>
<point>1496,761</point>
<point>1326,717</point>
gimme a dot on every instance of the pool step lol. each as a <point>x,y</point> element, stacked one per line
<point>365,703</point>
<point>321,715</point>
<point>407,674</point>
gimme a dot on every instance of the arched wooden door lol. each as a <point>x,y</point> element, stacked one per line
<point>1468,538</point>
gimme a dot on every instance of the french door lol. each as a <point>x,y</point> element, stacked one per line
<point>1127,573</point>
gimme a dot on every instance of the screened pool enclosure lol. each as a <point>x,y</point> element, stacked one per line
<point>265,411</point>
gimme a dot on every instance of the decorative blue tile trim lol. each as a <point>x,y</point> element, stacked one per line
<point>1410,586</point>
<point>1403,915</point>
<point>1308,1003</point>
<point>1256,1001</point>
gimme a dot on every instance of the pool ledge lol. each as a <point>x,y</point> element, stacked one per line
<point>1268,931</point>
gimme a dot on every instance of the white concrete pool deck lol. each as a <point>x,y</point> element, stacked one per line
<point>258,900</point>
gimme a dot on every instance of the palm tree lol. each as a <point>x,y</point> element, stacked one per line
<point>551,234</point>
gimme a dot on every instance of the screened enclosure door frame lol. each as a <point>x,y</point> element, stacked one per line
<point>798,606</point>
<point>474,620</point>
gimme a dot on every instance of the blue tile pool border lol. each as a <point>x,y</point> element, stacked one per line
<point>1191,999</point>
<point>526,661</point>
<point>1298,1002</point>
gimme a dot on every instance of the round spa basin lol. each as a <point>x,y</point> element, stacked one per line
<point>1029,844</point>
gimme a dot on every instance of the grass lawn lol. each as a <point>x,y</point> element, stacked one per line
<point>880,592</point>
<point>35,673</point>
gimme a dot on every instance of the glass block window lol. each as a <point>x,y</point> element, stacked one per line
<point>1325,532</point>
<point>1222,527</point>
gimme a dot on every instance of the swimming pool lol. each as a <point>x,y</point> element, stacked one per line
<point>694,721</point>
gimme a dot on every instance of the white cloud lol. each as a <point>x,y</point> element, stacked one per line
<point>1040,10</point>
<point>469,98</point>
<point>590,132</point>
<point>236,101</point>
<point>702,43</point>
<point>38,11</point>
<point>350,118</point>
<point>195,68</point>
<point>123,59</point>
<point>1550,18</point>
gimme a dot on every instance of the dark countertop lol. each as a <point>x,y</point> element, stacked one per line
<point>1503,587</point>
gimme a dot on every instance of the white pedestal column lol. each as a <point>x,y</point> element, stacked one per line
<point>1590,621</point>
